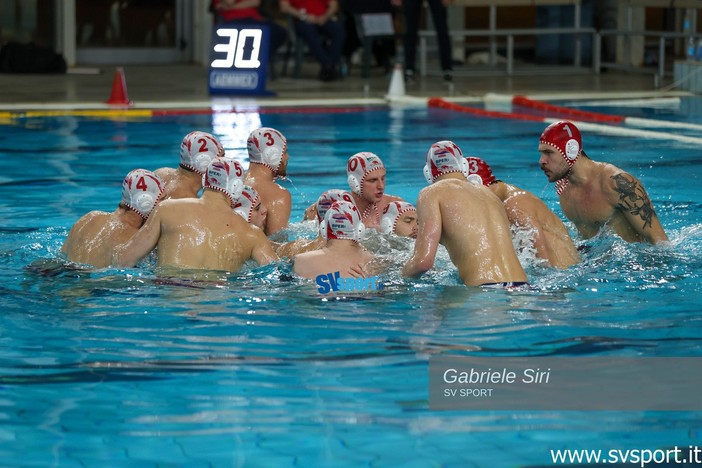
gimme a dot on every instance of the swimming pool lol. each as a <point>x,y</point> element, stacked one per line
<point>122,367</point>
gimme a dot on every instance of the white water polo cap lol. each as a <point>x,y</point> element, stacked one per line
<point>359,166</point>
<point>141,191</point>
<point>225,175</point>
<point>442,158</point>
<point>565,137</point>
<point>247,201</point>
<point>267,146</point>
<point>392,213</point>
<point>342,221</point>
<point>325,201</point>
<point>198,149</point>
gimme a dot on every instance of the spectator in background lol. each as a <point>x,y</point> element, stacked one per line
<point>383,47</point>
<point>412,10</point>
<point>318,24</point>
<point>248,12</point>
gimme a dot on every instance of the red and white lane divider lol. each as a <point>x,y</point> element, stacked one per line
<point>589,121</point>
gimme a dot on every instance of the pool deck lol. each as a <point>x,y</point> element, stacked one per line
<point>185,86</point>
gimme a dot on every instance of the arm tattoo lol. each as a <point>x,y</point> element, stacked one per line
<point>633,198</point>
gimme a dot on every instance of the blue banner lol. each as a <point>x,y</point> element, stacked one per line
<point>239,59</point>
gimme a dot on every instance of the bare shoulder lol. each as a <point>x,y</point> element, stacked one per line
<point>280,191</point>
<point>165,172</point>
<point>387,199</point>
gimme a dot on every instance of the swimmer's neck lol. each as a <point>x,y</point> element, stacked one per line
<point>130,217</point>
<point>212,196</point>
<point>261,172</point>
<point>361,203</point>
<point>582,171</point>
<point>194,180</point>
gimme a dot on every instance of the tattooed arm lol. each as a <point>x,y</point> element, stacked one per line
<point>629,197</point>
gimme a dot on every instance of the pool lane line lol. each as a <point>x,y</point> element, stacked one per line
<point>444,104</point>
<point>104,113</point>
<point>633,132</point>
<point>600,117</point>
<point>147,113</point>
<point>606,129</point>
<point>576,114</point>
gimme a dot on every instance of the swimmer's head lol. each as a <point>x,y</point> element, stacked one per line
<point>358,168</point>
<point>442,158</point>
<point>399,217</point>
<point>479,171</point>
<point>268,147</point>
<point>227,176</point>
<point>325,200</point>
<point>565,138</point>
<point>198,149</point>
<point>249,207</point>
<point>141,191</point>
<point>342,221</point>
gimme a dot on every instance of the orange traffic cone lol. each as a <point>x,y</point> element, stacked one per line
<point>119,90</point>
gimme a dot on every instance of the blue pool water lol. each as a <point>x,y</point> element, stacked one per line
<point>124,368</point>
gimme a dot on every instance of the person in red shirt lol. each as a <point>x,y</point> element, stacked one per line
<point>248,12</point>
<point>318,24</point>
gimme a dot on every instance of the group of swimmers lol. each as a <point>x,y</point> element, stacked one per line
<point>464,208</point>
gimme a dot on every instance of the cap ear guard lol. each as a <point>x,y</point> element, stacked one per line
<point>145,202</point>
<point>272,156</point>
<point>475,179</point>
<point>354,184</point>
<point>427,174</point>
<point>323,229</point>
<point>464,166</point>
<point>358,233</point>
<point>201,161</point>
<point>386,225</point>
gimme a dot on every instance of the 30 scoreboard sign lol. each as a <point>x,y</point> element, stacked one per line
<point>239,59</point>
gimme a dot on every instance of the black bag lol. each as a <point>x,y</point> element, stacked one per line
<point>30,58</point>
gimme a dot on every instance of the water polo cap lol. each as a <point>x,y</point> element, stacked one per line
<point>325,200</point>
<point>246,202</point>
<point>566,138</point>
<point>392,213</point>
<point>442,158</point>
<point>267,146</point>
<point>359,166</point>
<point>225,175</point>
<point>198,149</point>
<point>479,171</point>
<point>342,221</point>
<point>141,190</point>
